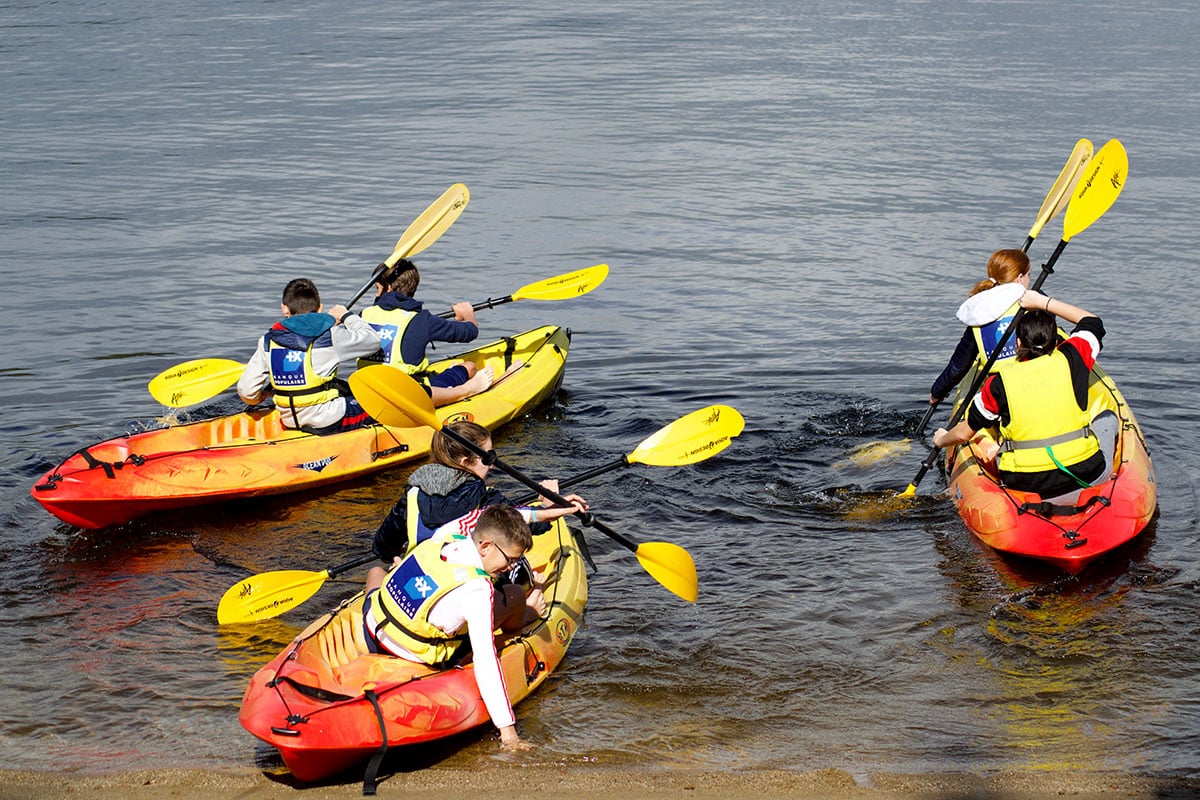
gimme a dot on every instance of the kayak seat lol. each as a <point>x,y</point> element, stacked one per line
<point>342,640</point>
<point>1106,426</point>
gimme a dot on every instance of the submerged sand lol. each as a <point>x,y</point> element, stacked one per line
<point>601,784</point>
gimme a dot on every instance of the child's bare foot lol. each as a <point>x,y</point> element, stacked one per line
<point>480,382</point>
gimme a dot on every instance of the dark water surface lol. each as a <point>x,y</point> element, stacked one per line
<point>793,198</point>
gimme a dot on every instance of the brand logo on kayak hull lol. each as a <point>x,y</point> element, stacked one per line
<point>316,466</point>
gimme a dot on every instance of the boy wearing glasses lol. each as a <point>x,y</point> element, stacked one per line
<point>439,603</point>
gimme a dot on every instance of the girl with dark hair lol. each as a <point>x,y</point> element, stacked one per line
<point>1040,403</point>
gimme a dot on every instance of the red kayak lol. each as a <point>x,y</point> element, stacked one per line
<point>1073,530</point>
<point>327,704</point>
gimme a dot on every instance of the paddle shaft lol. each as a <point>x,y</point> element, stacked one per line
<point>588,519</point>
<point>925,419</point>
<point>959,412</point>
<point>489,303</point>
<point>351,564</point>
<point>623,461</point>
<point>382,268</point>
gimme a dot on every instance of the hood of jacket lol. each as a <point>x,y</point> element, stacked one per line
<point>990,305</point>
<point>438,479</point>
<point>311,325</point>
<point>390,301</point>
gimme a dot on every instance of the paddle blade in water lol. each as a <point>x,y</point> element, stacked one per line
<point>392,397</point>
<point>672,566</point>
<point>268,595</point>
<point>194,382</point>
<point>691,438</point>
<point>877,506</point>
<point>564,287</point>
<point>1060,193</point>
<point>433,222</point>
<point>1102,180</point>
<point>872,453</point>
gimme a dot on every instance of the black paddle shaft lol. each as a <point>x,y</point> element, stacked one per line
<point>587,518</point>
<point>489,303</point>
<point>1047,270</point>
<point>623,461</point>
<point>375,276</point>
<point>351,564</point>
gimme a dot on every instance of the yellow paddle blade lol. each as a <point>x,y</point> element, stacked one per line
<point>1102,180</point>
<point>194,382</point>
<point>871,453</point>
<point>433,222</point>
<point>690,439</point>
<point>672,566</point>
<point>393,398</point>
<point>268,595</point>
<point>1060,193</point>
<point>564,287</point>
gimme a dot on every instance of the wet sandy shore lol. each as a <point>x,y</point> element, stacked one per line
<point>601,784</point>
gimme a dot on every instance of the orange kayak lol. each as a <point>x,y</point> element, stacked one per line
<point>251,454</point>
<point>316,701</point>
<point>1073,530</point>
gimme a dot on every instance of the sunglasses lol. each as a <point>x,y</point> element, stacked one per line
<point>510,561</point>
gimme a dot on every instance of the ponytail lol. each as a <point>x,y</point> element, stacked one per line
<point>1005,266</point>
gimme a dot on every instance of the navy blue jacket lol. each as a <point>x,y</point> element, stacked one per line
<point>424,327</point>
<point>960,364</point>
<point>391,539</point>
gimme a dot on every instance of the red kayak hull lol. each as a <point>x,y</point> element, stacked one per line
<point>251,454</point>
<point>310,701</point>
<point>1107,516</point>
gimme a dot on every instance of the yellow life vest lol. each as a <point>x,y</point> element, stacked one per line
<point>409,593</point>
<point>417,530</point>
<point>988,336</point>
<point>391,325</point>
<point>293,376</point>
<point>1045,424</point>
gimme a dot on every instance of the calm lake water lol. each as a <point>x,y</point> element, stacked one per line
<point>793,198</point>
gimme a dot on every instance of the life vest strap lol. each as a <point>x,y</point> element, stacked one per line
<point>1009,445</point>
<point>324,387</point>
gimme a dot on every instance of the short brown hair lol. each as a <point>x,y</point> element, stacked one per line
<point>300,296</point>
<point>404,278</point>
<point>506,524</point>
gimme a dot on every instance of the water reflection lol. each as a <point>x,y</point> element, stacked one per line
<point>1053,676</point>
